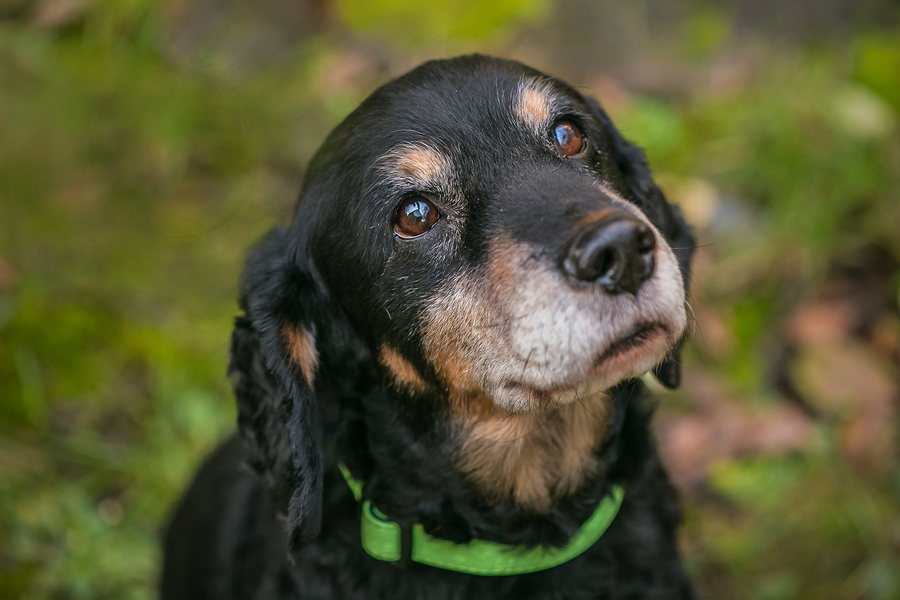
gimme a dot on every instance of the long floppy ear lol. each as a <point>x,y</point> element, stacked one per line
<point>273,365</point>
<point>644,192</point>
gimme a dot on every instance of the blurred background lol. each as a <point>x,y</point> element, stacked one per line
<point>144,145</point>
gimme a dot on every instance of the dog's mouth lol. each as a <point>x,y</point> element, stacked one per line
<point>639,336</point>
<point>631,355</point>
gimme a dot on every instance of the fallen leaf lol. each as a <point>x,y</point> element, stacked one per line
<point>822,322</point>
<point>722,427</point>
<point>847,378</point>
<point>8,275</point>
<point>54,14</point>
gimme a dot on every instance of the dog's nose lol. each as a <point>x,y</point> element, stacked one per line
<point>616,252</point>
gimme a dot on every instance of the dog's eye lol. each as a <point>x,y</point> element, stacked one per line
<point>415,217</point>
<point>569,139</point>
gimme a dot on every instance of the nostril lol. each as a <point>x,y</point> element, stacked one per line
<point>594,253</point>
<point>646,241</point>
<point>615,253</point>
<point>605,260</point>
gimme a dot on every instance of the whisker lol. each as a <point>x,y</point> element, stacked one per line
<point>588,411</point>
<point>695,247</point>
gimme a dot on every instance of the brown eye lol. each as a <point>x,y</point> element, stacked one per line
<point>569,139</point>
<point>415,217</point>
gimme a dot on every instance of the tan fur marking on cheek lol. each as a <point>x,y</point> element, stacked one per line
<point>301,349</point>
<point>446,352</point>
<point>504,259</point>
<point>534,104</point>
<point>403,372</point>
<point>466,337</point>
<point>461,325</point>
<point>507,271</point>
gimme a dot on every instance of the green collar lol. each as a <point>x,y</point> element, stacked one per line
<point>384,540</point>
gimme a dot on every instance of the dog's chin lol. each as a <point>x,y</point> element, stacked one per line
<point>630,356</point>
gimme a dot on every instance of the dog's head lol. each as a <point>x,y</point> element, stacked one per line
<point>480,235</point>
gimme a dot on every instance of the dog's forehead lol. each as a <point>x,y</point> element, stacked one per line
<point>445,135</point>
<point>484,109</point>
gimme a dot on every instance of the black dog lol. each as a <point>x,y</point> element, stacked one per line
<point>478,269</point>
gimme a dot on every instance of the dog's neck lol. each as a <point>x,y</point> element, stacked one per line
<point>480,477</point>
<point>533,458</point>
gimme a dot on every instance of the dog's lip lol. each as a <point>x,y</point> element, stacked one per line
<point>632,342</point>
<point>636,337</point>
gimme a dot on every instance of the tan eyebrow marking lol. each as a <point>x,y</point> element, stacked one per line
<point>534,104</point>
<point>415,164</point>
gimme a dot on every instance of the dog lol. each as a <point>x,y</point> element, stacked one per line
<point>445,347</point>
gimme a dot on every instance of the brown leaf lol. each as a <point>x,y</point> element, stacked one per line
<point>8,275</point>
<point>724,428</point>
<point>823,322</point>
<point>856,384</point>
<point>54,14</point>
<point>845,379</point>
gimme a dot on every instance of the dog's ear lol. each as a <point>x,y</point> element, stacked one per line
<point>644,192</point>
<point>274,359</point>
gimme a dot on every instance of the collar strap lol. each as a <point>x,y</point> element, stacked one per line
<point>384,540</point>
